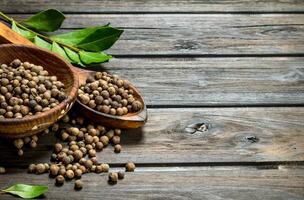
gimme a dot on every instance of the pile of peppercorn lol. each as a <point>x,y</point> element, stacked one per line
<point>108,94</point>
<point>27,89</point>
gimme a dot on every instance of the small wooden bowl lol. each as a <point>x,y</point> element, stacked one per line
<point>55,65</point>
<point>130,120</point>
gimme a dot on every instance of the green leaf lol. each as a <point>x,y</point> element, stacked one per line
<point>57,49</point>
<point>101,39</point>
<point>26,191</point>
<point>42,43</point>
<point>90,39</point>
<point>73,56</point>
<point>75,37</point>
<point>47,20</point>
<point>93,57</point>
<point>24,33</point>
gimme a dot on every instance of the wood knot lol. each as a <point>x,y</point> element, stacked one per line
<point>197,128</point>
<point>252,138</point>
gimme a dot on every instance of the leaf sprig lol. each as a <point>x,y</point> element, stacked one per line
<point>81,47</point>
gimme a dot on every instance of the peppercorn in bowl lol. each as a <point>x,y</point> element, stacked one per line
<point>37,88</point>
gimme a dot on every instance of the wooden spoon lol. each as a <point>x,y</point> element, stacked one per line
<point>130,120</point>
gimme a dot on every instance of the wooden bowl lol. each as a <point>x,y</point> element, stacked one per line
<point>55,65</point>
<point>130,120</point>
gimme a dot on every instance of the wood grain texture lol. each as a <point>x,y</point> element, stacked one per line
<point>200,34</point>
<point>199,183</point>
<point>25,6</point>
<point>233,135</point>
<point>214,81</point>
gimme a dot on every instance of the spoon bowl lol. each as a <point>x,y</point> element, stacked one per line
<point>55,65</point>
<point>130,120</point>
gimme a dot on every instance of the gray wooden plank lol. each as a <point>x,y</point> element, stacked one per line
<point>199,34</point>
<point>177,183</point>
<point>253,135</point>
<point>214,81</point>
<point>24,6</point>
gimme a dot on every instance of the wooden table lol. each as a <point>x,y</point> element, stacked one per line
<point>235,66</point>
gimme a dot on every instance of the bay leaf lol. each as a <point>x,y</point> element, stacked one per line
<point>27,34</point>
<point>42,43</point>
<point>57,49</point>
<point>74,37</point>
<point>26,191</point>
<point>47,20</point>
<point>90,39</point>
<point>93,57</point>
<point>73,56</point>
<point>101,39</point>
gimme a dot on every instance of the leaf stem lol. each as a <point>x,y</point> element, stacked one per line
<point>10,20</point>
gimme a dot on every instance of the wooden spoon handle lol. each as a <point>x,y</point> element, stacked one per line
<point>8,36</point>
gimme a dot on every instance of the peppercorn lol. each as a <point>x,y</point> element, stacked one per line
<point>69,174</point>
<point>99,146</point>
<point>62,171</point>
<point>92,153</point>
<point>78,154</point>
<point>136,106</point>
<point>117,148</point>
<point>54,169</point>
<point>117,132</point>
<point>31,168</point>
<point>78,185</point>
<point>130,167</point>
<point>78,173</point>
<point>110,134</point>
<point>73,131</point>
<point>66,160</point>
<point>74,147</point>
<point>113,176</point>
<point>88,164</point>
<point>18,143</point>
<point>20,152</point>
<point>60,180</point>
<point>2,170</point>
<point>121,175</point>
<point>40,168</point>
<point>105,167</point>
<point>116,139</point>
<point>57,147</point>
<point>105,140</point>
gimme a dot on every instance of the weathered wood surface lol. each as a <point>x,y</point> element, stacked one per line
<point>194,53</point>
<point>199,34</point>
<point>233,135</point>
<point>99,6</point>
<point>214,81</point>
<point>203,183</point>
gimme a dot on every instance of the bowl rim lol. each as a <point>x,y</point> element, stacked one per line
<point>71,96</point>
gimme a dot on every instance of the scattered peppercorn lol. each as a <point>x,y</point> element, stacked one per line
<point>40,168</point>
<point>130,167</point>
<point>121,175</point>
<point>2,170</point>
<point>59,180</point>
<point>113,177</point>
<point>78,185</point>
<point>117,148</point>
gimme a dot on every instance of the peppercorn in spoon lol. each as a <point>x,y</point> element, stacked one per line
<point>109,100</point>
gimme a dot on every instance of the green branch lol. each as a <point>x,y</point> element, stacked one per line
<point>10,20</point>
